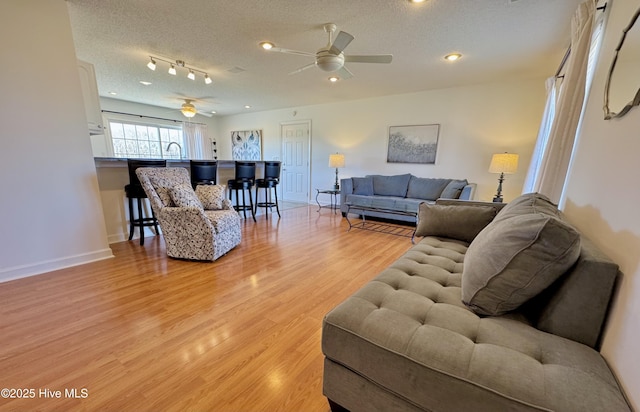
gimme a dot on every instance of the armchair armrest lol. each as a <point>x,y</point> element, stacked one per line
<point>458,202</point>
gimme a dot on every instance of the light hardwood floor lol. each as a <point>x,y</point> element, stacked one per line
<point>143,332</point>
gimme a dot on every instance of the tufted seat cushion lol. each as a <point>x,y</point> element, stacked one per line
<point>408,333</point>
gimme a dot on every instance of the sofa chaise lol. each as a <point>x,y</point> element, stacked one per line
<point>403,193</point>
<point>497,308</point>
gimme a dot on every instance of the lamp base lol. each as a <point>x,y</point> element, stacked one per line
<point>336,186</point>
<point>497,199</point>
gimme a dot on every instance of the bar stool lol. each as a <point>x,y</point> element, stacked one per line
<point>203,172</point>
<point>244,180</point>
<point>134,190</point>
<point>270,181</point>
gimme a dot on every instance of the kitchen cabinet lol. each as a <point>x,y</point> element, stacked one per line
<point>91,99</point>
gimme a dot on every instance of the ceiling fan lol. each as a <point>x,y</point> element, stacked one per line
<point>331,58</point>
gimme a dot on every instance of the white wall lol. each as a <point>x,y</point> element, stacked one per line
<point>475,122</point>
<point>602,200</point>
<point>50,213</point>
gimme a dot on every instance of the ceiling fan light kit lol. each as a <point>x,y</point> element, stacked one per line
<point>188,109</point>
<point>180,63</point>
<point>331,58</point>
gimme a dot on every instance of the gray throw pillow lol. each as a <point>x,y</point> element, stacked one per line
<point>426,188</point>
<point>515,258</point>
<point>454,189</point>
<point>183,195</point>
<point>362,186</point>
<point>459,222</point>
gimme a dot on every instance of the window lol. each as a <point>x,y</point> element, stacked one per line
<point>141,140</point>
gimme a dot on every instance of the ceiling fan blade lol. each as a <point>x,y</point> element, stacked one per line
<point>341,42</point>
<point>374,58</point>
<point>344,73</point>
<point>208,114</point>
<point>289,51</point>
<point>308,66</point>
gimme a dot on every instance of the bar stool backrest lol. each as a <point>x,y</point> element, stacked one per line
<point>203,172</point>
<point>133,164</point>
<point>246,171</point>
<point>272,171</point>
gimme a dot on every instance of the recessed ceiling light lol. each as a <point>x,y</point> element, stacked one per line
<point>417,1</point>
<point>213,112</point>
<point>145,83</point>
<point>247,107</point>
<point>452,57</point>
<point>113,93</point>
<point>267,45</point>
<point>334,79</point>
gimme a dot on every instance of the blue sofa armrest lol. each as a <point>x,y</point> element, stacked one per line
<point>346,188</point>
<point>468,192</point>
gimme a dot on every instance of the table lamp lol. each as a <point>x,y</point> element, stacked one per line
<point>505,164</point>
<point>336,160</point>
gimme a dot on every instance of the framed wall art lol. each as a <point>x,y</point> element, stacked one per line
<point>413,144</point>
<point>246,145</point>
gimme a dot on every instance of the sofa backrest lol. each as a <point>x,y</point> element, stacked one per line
<point>577,304</point>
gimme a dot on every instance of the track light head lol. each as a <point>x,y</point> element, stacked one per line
<point>152,64</point>
<point>207,79</point>
<point>172,70</point>
<point>191,75</point>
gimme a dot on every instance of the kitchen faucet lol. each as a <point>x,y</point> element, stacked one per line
<point>177,144</point>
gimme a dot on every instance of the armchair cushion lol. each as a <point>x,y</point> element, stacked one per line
<point>165,196</point>
<point>211,196</point>
<point>455,222</point>
<point>183,195</point>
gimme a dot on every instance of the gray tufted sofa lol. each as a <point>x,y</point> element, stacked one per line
<point>406,341</point>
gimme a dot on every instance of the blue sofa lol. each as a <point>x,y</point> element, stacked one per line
<point>402,193</point>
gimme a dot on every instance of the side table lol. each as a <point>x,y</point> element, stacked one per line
<point>333,194</point>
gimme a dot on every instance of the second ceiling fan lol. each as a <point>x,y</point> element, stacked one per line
<point>331,58</point>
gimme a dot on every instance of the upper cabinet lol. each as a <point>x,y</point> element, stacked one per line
<point>90,96</point>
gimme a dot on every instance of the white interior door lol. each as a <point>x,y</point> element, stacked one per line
<point>295,163</point>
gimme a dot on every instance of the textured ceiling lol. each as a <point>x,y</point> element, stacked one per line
<point>499,39</point>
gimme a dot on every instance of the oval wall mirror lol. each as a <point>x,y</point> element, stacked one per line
<point>622,90</point>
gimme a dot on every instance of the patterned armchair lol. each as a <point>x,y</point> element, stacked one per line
<point>198,225</point>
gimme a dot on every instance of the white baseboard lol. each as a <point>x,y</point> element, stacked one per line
<point>18,272</point>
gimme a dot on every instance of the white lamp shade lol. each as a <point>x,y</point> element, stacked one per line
<point>506,163</point>
<point>336,160</point>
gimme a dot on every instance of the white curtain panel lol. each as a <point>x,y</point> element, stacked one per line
<point>532,182</point>
<point>195,134</point>
<point>554,163</point>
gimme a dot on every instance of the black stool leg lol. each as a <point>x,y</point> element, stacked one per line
<point>141,220</point>
<point>131,217</point>
<point>251,204</point>
<point>155,221</point>
<point>244,204</point>
<point>275,189</point>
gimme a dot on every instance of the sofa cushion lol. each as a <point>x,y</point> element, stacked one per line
<point>211,196</point>
<point>391,185</point>
<point>183,195</point>
<point>518,255</point>
<point>455,222</point>
<point>363,186</point>
<point>454,189</point>
<point>426,188</point>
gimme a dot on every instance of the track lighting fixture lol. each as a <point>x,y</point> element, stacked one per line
<point>180,63</point>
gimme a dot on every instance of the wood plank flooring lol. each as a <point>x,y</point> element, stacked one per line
<point>144,332</point>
